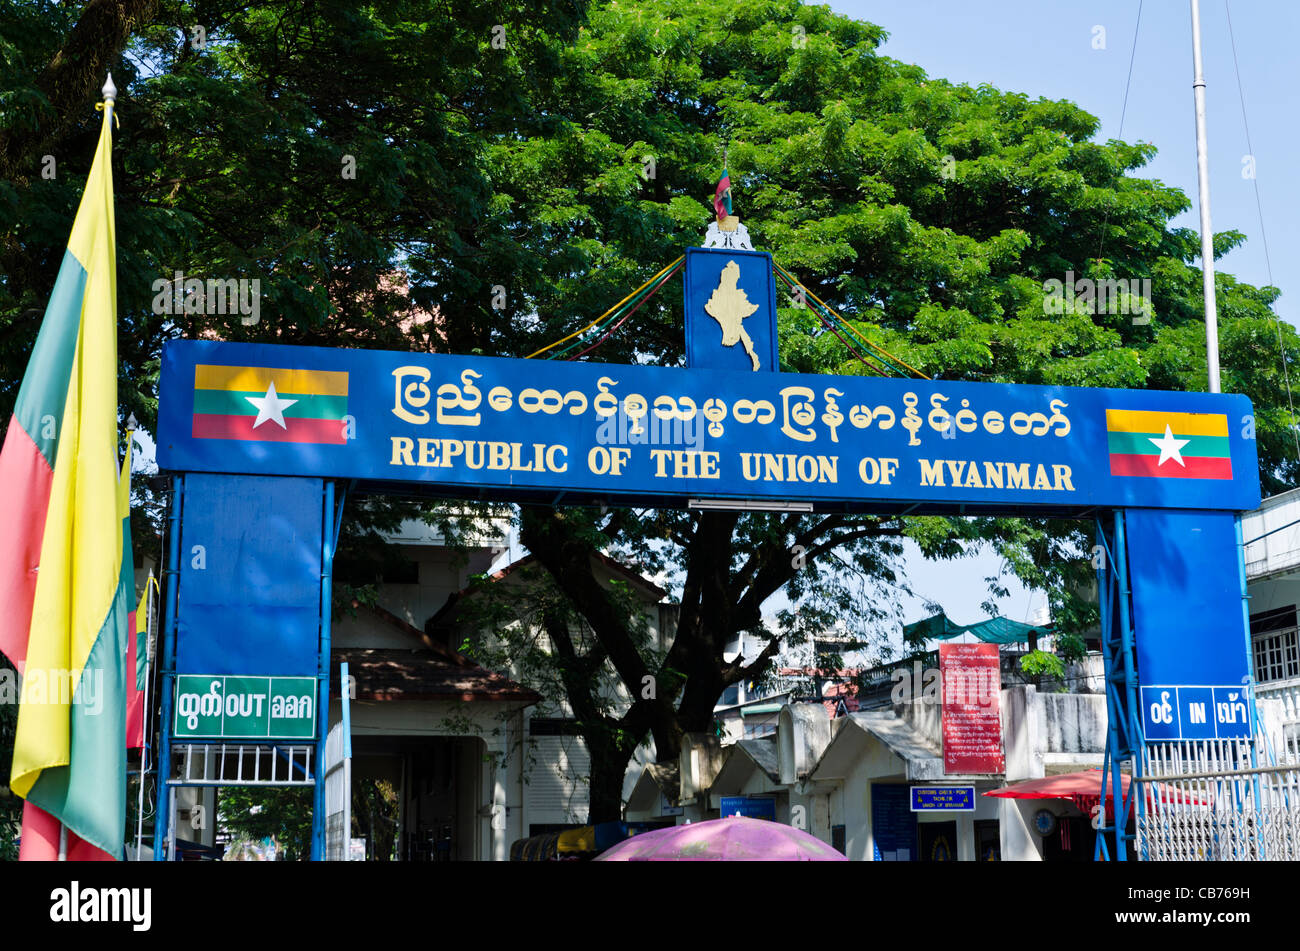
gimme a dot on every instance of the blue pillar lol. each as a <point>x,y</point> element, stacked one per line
<point>162,764</point>
<point>333,523</point>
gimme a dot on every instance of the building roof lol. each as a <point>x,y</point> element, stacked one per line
<point>763,752</point>
<point>921,758</point>
<point>392,674</point>
<point>656,779</point>
<point>428,671</point>
<point>744,759</point>
<point>840,699</point>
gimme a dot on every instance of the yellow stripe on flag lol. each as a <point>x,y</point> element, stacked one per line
<point>1153,421</point>
<point>81,548</point>
<point>257,379</point>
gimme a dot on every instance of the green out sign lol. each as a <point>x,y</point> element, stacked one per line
<point>245,708</point>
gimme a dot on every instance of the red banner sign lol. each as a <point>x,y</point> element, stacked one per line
<point>972,730</point>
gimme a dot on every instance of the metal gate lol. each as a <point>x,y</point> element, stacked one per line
<point>1218,800</point>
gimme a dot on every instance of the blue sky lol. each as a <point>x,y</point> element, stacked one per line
<point>1045,48</point>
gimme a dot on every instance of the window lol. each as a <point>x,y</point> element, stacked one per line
<point>1275,644</point>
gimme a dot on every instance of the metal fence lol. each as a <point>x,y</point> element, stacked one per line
<point>1219,800</point>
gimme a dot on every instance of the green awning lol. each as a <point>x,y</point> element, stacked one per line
<point>995,630</point>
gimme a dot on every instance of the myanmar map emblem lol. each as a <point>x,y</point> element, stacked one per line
<point>729,306</point>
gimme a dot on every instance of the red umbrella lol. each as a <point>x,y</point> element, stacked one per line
<point>1084,785</point>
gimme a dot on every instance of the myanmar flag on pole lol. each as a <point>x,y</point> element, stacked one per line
<point>722,195</point>
<point>61,560</point>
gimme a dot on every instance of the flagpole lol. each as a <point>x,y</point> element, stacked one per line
<point>110,97</point>
<point>1203,187</point>
<point>144,748</point>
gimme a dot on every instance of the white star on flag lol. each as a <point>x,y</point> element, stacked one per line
<point>271,407</point>
<point>1169,447</point>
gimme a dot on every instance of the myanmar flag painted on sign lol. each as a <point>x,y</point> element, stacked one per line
<point>1168,445</point>
<point>63,510</point>
<point>269,404</point>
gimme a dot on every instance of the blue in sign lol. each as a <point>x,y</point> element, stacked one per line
<point>1231,712</point>
<point>1195,713</point>
<point>943,798</point>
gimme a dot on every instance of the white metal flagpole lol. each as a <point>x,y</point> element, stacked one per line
<point>1203,183</point>
<point>144,748</point>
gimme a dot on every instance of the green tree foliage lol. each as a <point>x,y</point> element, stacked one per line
<point>561,154</point>
<point>257,812</point>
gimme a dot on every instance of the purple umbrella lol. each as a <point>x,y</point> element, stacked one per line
<point>733,839</point>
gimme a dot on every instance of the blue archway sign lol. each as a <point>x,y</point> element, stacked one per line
<point>636,435</point>
<point>257,423</point>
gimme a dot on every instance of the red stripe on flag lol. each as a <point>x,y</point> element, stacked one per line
<point>25,480</point>
<point>719,201</point>
<point>40,840</point>
<point>329,431</point>
<point>1122,464</point>
<point>134,697</point>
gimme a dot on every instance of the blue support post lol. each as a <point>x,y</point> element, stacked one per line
<point>1132,740</point>
<point>1123,715</point>
<point>333,516</point>
<point>1245,614</point>
<point>1104,623</point>
<point>162,763</point>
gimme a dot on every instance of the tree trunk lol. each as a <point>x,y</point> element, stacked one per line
<point>608,767</point>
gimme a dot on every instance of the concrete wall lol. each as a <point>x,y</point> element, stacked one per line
<point>1042,729</point>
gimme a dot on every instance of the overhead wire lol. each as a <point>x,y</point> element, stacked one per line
<point>1123,112</point>
<point>875,357</point>
<point>632,310</point>
<point>613,310</point>
<point>875,366</point>
<point>895,364</point>
<point>1259,208</point>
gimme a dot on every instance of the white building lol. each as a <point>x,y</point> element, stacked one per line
<point>1271,535</point>
<point>847,779</point>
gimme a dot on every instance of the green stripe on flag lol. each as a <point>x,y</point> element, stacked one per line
<point>1140,444</point>
<point>44,390</point>
<point>233,403</point>
<point>89,795</point>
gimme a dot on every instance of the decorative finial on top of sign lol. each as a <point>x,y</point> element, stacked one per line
<point>727,231</point>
